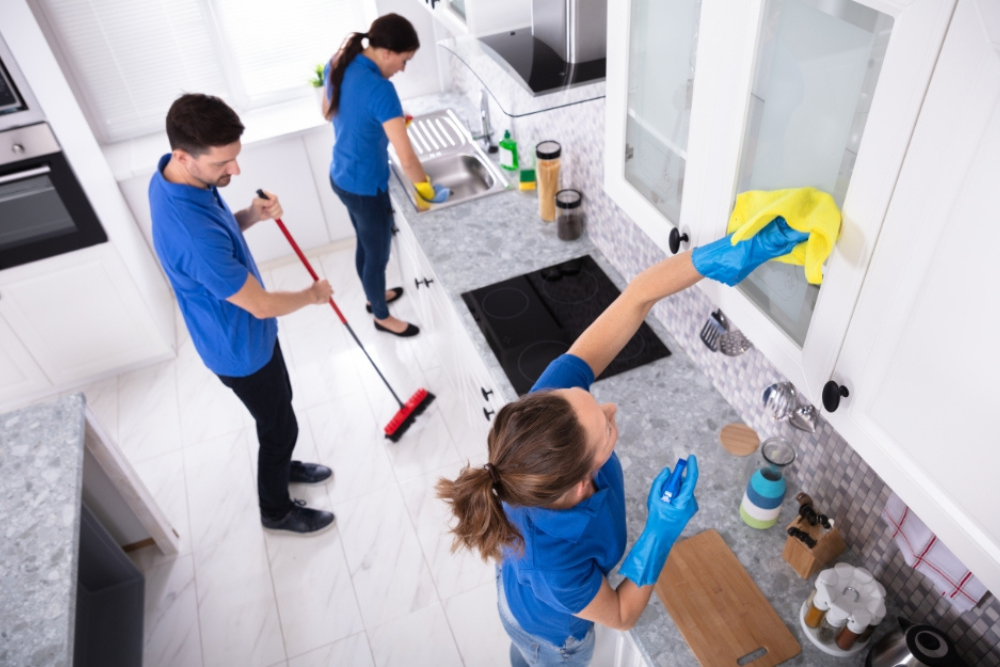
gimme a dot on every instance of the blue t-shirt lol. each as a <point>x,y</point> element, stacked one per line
<point>206,259</point>
<point>567,552</point>
<point>361,148</point>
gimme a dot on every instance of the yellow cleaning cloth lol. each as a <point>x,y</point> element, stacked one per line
<point>806,210</point>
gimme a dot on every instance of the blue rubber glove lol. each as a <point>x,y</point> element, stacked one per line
<point>729,264</point>
<point>664,524</point>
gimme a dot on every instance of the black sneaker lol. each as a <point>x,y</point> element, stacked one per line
<point>301,519</point>
<point>308,473</point>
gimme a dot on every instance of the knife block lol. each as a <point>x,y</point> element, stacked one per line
<point>805,561</point>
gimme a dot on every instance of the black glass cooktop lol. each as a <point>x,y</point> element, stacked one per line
<point>532,319</point>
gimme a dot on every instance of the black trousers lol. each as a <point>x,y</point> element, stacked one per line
<point>268,396</point>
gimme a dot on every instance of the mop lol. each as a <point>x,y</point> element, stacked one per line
<point>421,398</point>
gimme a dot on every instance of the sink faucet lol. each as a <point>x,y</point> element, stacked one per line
<point>486,132</point>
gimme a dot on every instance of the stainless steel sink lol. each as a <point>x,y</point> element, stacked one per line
<point>451,158</point>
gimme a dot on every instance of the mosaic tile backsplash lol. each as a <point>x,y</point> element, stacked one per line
<point>826,467</point>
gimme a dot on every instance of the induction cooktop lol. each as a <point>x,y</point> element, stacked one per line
<point>531,319</point>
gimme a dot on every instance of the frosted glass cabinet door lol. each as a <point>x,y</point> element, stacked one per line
<point>817,66</point>
<point>663,37</point>
<point>820,93</point>
<point>652,50</point>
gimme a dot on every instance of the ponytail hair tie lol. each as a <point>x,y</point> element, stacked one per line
<point>494,475</point>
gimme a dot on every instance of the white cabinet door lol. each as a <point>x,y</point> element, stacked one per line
<point>823,95</point>
<point>920,358</point>
<point>80,314</point>
<point>652,49</point>
<point>19,374</point>
<point>782,94</point>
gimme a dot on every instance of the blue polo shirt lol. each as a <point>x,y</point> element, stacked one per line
<point>567,552</point>
<point>206,259</point>
<point>361,148</point>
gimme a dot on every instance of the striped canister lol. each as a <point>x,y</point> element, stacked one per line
<point>766,489</point>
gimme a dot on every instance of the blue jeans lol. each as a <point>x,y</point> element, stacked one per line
<point>372,220</point>
<point>527,650</point>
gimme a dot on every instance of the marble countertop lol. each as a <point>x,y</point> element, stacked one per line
<point>41,477</point>
<point>667,409</point>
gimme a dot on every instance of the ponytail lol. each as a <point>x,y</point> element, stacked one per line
<point>391,32</point>
<point>482,523</point>
<point>537,451</point>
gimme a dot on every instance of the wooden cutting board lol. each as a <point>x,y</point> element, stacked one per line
<point>719,609</point>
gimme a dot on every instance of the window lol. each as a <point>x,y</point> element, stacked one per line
<point>130,60</point>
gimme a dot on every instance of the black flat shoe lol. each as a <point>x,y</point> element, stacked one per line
<point>301,520</point>
<point>397,292</point>
<point>411,330</point>
<point>308,473</point>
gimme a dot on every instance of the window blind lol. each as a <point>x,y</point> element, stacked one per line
<point>131,59</point>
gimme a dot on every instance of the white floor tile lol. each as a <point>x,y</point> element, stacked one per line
<point>390,576</point>
<point>315,593</point>
<point>453,572</point>
<point>207,408</point>
<point>148,421</point>
<point>172,635</point>
<point>419,639</point>
<point>475,621</point>
<point>352,651</point>
<point>348,440</point>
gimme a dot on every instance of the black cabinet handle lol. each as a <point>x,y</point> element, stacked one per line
<point>426,281</point>
<point>832,393</point>
<point>676,238</point>
<point>395,230</point>
<point>434,2</point>
<point>488,413</point>
<point>486,393</point>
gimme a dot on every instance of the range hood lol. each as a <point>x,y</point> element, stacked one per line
<point>565,46</point>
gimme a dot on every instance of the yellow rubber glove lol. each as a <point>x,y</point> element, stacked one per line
<point>425,189</point>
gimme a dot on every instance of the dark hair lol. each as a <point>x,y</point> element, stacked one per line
<point>392,32</point>
<point>537,452</point>
<point>197,122</point>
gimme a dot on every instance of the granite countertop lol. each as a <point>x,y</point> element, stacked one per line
<point>667,409</point>
<point>41,477</point>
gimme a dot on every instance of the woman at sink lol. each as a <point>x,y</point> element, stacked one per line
<point>549,506</point>
<point>366,113</point>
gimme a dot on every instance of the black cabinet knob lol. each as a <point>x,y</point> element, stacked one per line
<point>488,413</point>
<point>832,393</point>
<point>676,238</point>
<point>486,393</point>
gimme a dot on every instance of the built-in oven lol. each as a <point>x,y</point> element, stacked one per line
<point>43,209</point>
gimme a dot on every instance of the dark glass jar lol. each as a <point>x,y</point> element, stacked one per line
<point>570,214</point>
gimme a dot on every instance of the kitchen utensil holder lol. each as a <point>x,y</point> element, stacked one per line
<point>805,561</point>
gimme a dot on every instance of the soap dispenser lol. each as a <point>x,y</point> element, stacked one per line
<point>508,152</point>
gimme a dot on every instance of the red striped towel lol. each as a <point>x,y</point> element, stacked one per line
<point>925,553</point>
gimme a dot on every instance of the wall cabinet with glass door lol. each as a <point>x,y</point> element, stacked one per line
<point>920,359</point>
<point>768,95</point>
<point>479,17</point>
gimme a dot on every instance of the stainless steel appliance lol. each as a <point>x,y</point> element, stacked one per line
<point>43,209</point>
<point>914,646</point>
<point>565,46</point>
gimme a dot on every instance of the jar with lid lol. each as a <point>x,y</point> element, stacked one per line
<point>834,620</point>
<point>819,600</point>
<point>569,216</point>
<point>547,174</point>
<point>850,633</point>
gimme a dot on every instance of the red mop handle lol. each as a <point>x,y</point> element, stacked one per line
<point>298,251</point>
